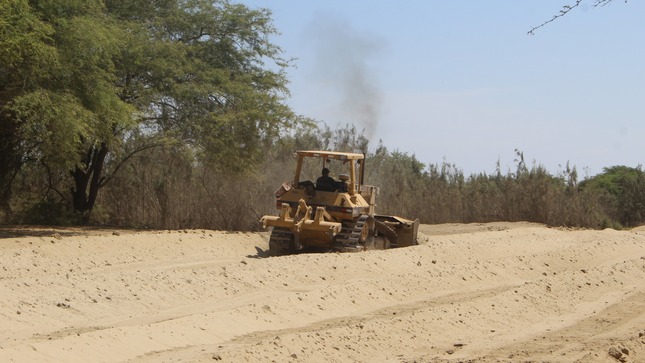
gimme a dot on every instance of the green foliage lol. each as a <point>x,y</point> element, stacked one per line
<point>196,72</point>
<point>54,123</point>
<point>25,56</point>
<point>26,52</point>
<point>622,191</point>
<point>87,84</point>
<point>61,89</point>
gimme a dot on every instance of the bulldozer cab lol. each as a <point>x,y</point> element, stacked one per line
<point>346,170</point>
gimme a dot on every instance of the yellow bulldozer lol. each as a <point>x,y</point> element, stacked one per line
<point>331,214</point>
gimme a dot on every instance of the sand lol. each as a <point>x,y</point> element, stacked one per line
<point>500,292</point>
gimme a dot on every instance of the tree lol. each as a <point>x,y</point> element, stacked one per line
<point>623,193</point>
<point>120,77</point>
<point>70,103</point>
<point>25,55</point>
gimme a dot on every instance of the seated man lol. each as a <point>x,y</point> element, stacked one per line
<point>325,182</point>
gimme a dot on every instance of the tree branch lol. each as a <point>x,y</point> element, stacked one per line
<point>196,37</point>
<point>565,10</point>
<point>51,182</point>
<point>104,180</point>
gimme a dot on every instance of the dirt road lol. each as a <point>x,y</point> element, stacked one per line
<point>503,292</point>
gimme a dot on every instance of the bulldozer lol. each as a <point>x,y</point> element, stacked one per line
<point>334,215</point>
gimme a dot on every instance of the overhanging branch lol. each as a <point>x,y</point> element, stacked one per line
<point>565,10</point>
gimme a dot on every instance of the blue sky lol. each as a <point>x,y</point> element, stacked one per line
<point>461,81</point>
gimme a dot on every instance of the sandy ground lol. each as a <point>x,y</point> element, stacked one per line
<point>502,292</point>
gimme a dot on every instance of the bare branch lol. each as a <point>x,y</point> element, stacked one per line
<point>106,179</point>
<point>565,10</point>
<point>51,182</point>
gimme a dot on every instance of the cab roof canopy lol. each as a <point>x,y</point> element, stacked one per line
<point>330,155</point>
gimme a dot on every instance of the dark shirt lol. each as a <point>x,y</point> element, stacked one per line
<point>325,183</point>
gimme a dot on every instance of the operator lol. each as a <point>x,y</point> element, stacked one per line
<point>325,182</point>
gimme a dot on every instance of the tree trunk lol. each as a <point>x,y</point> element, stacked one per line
<point>6,214</point>
<point>10,163</point>
<point>8,172</point>
<point>88,181</point>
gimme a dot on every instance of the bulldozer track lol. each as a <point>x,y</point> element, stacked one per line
<point>350,234</point>
<point>281,241</point>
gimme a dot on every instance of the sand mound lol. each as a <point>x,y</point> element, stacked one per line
<point>509,292</point>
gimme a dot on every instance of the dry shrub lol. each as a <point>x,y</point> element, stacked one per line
<point>170,188</point>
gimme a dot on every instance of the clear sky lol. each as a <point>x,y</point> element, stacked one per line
<point>461,81</point>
